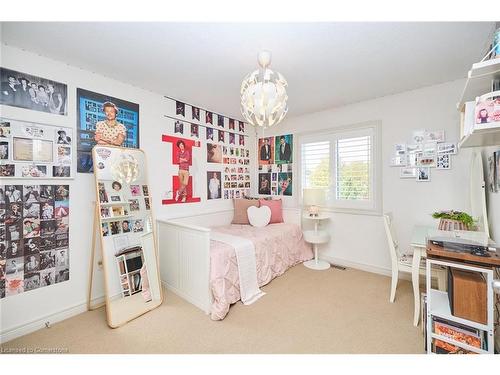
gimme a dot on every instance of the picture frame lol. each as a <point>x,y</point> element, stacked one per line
<point>89,112</point>
<point>408,172</point>
<point>443,161</point>
<point>434,136</point>
<point>31,92</point>
<point>423,174</point>
<point>447,148</point>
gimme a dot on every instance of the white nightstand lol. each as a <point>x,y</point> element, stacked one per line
<point>316,237</point>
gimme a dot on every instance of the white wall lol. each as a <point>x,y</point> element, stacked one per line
<point>359,240</point>
<point>23,312</point>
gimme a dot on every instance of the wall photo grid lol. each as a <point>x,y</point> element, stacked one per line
<point>34,237</point>
<point>29,150</point>
<point>227,153</point>
<point>275,165</point>
<point>427,150</point>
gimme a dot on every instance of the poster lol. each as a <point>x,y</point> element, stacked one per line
<point>90,111</point>
<point>266,150</point>
<point>283,146</point>
<point>181,188</point>
<point>34,237</point>
<point>31,92</point>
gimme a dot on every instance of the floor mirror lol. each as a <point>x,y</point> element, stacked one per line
<point>124,220</point>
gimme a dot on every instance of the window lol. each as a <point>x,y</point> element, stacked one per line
<point>353,168</point>
<point>316,165</point>
<point>343,162</point>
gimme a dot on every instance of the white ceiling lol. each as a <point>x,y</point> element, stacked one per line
<point>326,64</point>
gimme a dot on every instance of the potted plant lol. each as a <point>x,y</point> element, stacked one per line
<point>454,220</point>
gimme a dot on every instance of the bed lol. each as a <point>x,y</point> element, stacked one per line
<point>205,272</point>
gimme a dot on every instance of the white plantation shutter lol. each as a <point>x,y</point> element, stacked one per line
<point>353,168</point>
<point>343,162</point>
<point>316,164</point>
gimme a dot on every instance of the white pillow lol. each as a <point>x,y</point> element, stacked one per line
<point>259,216</point>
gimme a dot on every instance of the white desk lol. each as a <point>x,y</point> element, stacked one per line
<point>419,244</point>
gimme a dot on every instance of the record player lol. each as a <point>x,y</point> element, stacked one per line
<point>461,245</point>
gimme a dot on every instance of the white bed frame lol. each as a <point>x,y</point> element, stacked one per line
<point>184,248</point>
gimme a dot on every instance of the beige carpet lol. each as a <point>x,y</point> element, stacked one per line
<point>304,311</point>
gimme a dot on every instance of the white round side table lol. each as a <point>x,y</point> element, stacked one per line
<point>316,237</point>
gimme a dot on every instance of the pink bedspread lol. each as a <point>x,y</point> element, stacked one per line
<point>277,248</point>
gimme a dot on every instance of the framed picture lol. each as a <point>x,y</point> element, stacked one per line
<point>423,174</point>
<point>434,136</point>
<point>418,136</point>
<point>400,148</point>
<point>91,117</point>
<point>426,160</point>
<point>27,149</point>
<point>447,148</point>
<point>31,92</point>
<point>408,172</point>
<point>399,161</point>
<point>443,161</point>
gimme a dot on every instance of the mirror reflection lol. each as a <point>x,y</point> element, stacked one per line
<point>128,247</point>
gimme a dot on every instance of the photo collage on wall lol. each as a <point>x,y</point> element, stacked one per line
<point>427,150</point>
<point>34,237</point>
<point>275,165</point>
<point>31,92</point>
<point>122,208</point>
<point>226,146</point>
<point>92,126</point>
<point>29,150</point>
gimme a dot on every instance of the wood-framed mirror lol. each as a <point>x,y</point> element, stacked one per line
<point>124,218</point>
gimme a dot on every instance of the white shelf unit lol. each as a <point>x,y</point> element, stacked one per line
<point>126,275</point>
<point>438,306</point>
<point>478,83</point>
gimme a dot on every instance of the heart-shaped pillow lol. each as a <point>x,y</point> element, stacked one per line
<point>259,216</point>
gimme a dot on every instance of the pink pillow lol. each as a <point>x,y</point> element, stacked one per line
<point>276,209</point>
<point>240,210</point>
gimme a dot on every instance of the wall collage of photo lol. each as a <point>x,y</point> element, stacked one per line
<point>227,154</point>
<point>34,237</point>
<point>275,165</point>
<point>29,150</point>
<point>34,216</point>
<point>427,150</point>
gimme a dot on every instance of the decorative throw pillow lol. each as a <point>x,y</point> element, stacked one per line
<point>276,209</point>
<point>240,210</point>
<point>259,217</point>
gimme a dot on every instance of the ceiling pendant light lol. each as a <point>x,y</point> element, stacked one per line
<point>263,94</point>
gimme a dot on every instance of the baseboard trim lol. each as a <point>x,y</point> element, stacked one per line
<point>366,267</point>
<point>27,328</point>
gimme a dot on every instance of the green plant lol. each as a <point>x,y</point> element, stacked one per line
<point>455,215</point>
